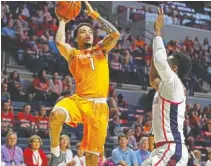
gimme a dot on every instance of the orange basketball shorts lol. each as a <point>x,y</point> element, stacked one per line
<point>93,113</point>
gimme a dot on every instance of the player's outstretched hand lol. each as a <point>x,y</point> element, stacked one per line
<point>89,10</point>
<point>159,21</point>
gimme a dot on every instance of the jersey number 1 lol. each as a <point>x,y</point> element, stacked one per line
<point>92,63</point>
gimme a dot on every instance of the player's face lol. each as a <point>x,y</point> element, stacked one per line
<point>35,144</point>
<point>12,140</point>
<point>145,145</point>
<point>85,35</point>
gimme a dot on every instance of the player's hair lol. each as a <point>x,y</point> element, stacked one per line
<point>183,63</point>
<point>122,136</point>
<point>81,25</point>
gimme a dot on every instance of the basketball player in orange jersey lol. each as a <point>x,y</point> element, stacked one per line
<point>89,67</point>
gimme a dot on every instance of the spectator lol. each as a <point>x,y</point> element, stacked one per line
<point>197,160</point>
<point>138,133</point>
<point>139,121</point>
<point>11,154</point>
<point>5,96</point>
<point>55,86</point>
<point>46,13</point>
<point>67,84</point>
<point>196,45</point>
<point>115,68</point>
<point>44,25</point>
<point>113,103</point>
<point>53,25</point>
<point>41,122</point>
<point>7,118</point>
<point>41,86</point>
<point>15,87</point>
<point>121,101</point>
<point>4,77</point>
<point>65,148</point>
<point>123,155</point>
<point>208,163</point>
<point>143,152</point>
<point>46,36</point>
<point>4,9</point>
<point>115,128</point>
<point>8,31</point>
<point>39,17</point>
<point>198,110</point>
<point>205,45</point>
<point>188,43</point>
<point>187,129</point>
<point>131,139</point>
<point>33,26</point>
<point>147,127</point>
<point>33,154</point>
<point>206,129</point>
<point>194,123</point>
<point>79,157</point>
<point>26,121</point>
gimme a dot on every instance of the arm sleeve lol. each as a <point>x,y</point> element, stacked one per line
<point>160,59</point>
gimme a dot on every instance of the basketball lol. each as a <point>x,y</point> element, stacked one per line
<point>68,9</point>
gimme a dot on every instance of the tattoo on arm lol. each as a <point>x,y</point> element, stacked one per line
<point>107,26</point>
<point>113,34</point>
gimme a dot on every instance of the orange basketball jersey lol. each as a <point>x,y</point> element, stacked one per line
<point>90,71</point>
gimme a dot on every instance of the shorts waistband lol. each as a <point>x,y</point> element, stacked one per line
<point>97,100</point>
<point>158,144</point>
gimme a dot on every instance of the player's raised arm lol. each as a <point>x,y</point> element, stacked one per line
<point>113,34</point>
<point>159,51</point>
<point>64,48</point>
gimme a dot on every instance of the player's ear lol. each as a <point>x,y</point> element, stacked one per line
<point>174,68</point>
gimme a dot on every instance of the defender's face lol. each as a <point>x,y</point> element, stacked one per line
<point>85,35</point>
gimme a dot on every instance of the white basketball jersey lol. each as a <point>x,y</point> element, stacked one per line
<point>169,102</point>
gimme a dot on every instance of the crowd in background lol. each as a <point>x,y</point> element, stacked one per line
<point>123,124</point>
<point>31,28</point>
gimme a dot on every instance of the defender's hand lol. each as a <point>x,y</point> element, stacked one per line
<point>159,21</point>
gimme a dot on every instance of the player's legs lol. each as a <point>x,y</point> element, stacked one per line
<point>184,156</point>
<point>56,120</point>
<point>95,130</point>
<point>65,111</point>
<point>160,156</point>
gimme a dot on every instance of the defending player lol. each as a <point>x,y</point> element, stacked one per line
<point>89,67</point>
<point>169,102</point>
